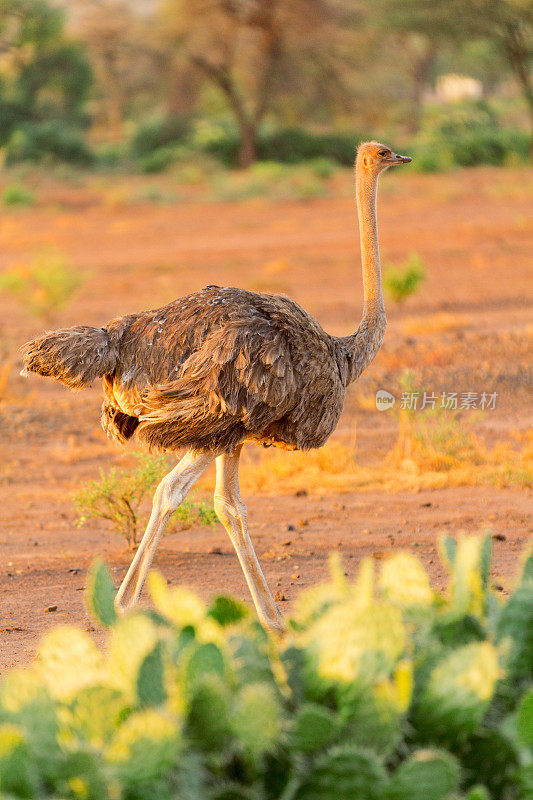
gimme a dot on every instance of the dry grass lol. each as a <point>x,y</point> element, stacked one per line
<point>332,468</point>
<point>435,323</point>
<point>414,463</point>
<point>8,357</point>
<point>6,362</point>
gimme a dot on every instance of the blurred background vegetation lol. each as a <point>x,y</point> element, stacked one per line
<point>141,85</point>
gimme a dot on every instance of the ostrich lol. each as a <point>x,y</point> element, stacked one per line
<point>217,368</point>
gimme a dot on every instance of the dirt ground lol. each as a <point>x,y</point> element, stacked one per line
<point>474,233</point>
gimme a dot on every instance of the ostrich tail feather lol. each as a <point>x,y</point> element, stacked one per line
<point>73,356</point>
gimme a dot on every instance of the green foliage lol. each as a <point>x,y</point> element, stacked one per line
<point>17,195</point>
<point>344,771</point>
<point>401,282</point>
<point>119,494</point>
<point>314,728</point>
<point>272,179</point>
<point>380,690</point>
<point>425,775</point>
<point>45,141</point>
<point>294,144</point>
<point>433,436</point>
<point>100,594</point>
<point>158,160</point>
<point>150,680</point>
<point>45,81</point>
<point>289,146</point>
<point>110,155</point>
<point>464,135</point>
<point>323,167</point>
<point>44,286</point>
<point>158,133</point>
<point>227,610</point>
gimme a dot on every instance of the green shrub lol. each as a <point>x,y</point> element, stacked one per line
<point>403,281</point>
<point>158,160</point>
<point>380,690</point>
<point>288,146</point>
<point>45,285</point>
<point>324,167</point>
<point>160,133</point>
<point>118,496</point>
<point>153,194</point>
<point>17,195</point>
<point>432,435</point>
<point>44,140</point>
<point>466,134</point>
<point>293,145</point>
<point>110,155</point>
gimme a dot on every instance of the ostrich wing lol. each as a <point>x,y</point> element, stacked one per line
<point>215,367</point>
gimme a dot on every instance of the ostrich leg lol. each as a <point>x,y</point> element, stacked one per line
<point>231,511</point>
<point>169,494</point>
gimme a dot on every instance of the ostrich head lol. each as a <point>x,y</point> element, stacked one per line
<point>375,157</point>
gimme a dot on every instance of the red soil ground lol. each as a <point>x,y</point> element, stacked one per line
<point>474,232</point>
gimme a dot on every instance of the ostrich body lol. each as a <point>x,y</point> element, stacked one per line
<point>216,368</point>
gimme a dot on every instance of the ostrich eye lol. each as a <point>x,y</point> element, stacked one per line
<point>382,153</point>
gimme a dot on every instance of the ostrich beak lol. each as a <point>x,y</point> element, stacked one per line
<point>396,159</point>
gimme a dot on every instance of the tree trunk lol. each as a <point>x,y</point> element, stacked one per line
<point>247,146</point>
<point>421,69</point>
<point>517,54</point>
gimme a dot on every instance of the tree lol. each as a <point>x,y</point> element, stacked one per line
<point>508,24</point>
<point>239,46</point>
<point>126,57</point>
<point>43,74</point>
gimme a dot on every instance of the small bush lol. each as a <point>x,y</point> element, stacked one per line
<point>307,186</point>
<point>119,494</point>
<point>432,437</point>
<point>111,155</point>
<point>466,134</point>
<point>159,133</point>
<point>323,167</point>
<point>44,140</point>
<point>17,195</point>
<point>382,689</point>
<point>44,286</point>
<point>158,160</point>
<point>269,179</point>
<point>401,282</point>
<point>294,145</point>
<point>288,146</point>
<point>153,194</point>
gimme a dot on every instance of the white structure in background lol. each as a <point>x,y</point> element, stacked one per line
<point>451,88</point>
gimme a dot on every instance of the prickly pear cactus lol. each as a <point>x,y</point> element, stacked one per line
<point>314,728</point>
<point>151,679</point>
<point>524,721</point>
<point>515,630</point>
<point>227,610</point>
<point>380,690</point>
<point>425,775</point>
<point>100,595</point>
<point>144,747</point>
<point>404,581</point>
<point>17,772</point>
<point>347,772</point>
<point>209,713</point>
<point>459,691</point>
<point>256,719</point>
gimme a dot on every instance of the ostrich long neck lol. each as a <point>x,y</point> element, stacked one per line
<point>366,189</point>
<point>362,346</point>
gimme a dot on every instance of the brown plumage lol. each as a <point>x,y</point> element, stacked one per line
<point>224,365</point>
<point>207,371</point>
